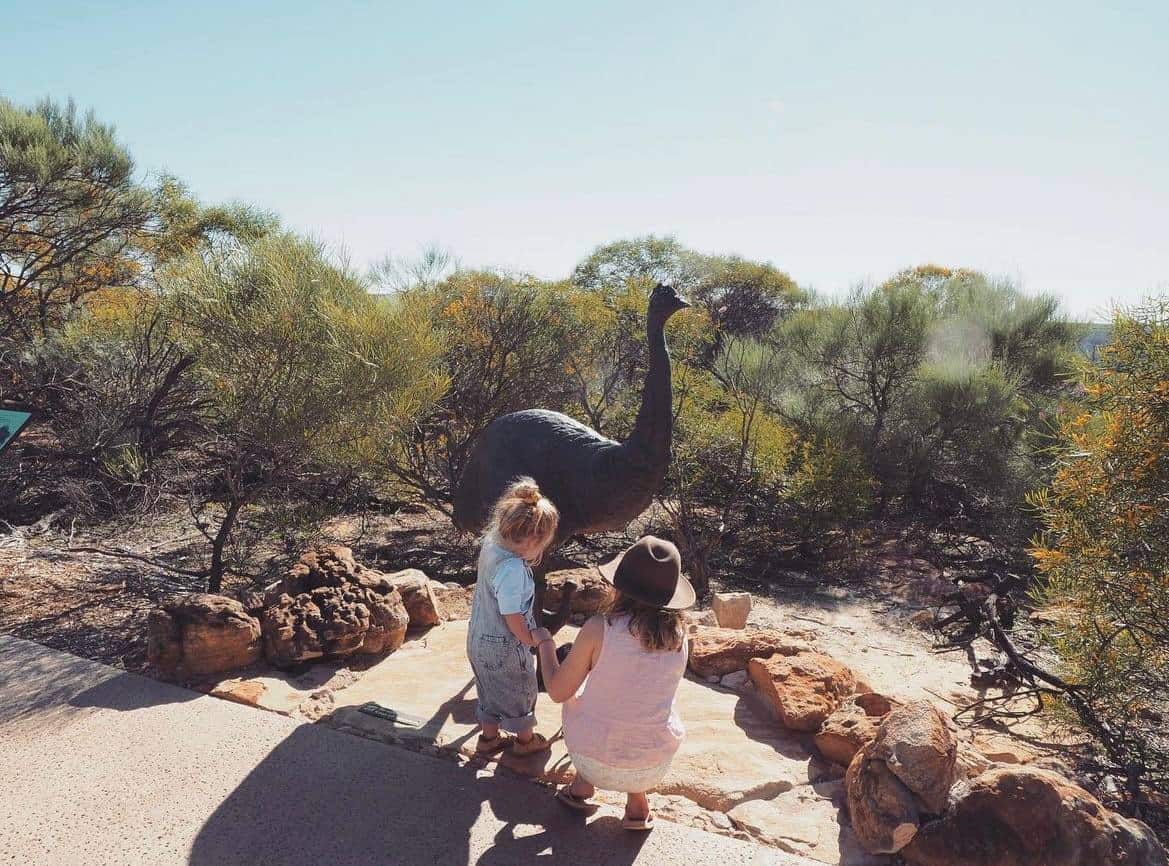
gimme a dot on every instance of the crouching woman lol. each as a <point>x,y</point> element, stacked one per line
<point>623,729</point>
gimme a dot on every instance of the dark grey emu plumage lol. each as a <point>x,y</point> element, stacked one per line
<point>598,484</point>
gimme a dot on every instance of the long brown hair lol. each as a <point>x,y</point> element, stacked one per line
<point>656,627</point>
<point>523,512</point>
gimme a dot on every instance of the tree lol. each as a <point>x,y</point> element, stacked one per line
<point>852,367</point>
<point>70,210</point>
<point>729,457</point>
<point>507,344</point>
<point>1104,552</point>
<point>303,370</point>
<point>741,298</point>
<point>941,379</point>
<point>647,260</point>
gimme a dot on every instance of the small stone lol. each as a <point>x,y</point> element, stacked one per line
<point>731,608</point>
<point>720,820</point>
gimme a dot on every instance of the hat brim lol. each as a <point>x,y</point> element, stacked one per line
<point>683,597</point>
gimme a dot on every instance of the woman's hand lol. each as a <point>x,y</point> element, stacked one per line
<point>539,635</point>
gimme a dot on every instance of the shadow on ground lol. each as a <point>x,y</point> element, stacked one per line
<point>341,800</point>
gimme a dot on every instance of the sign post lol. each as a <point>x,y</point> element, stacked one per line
<point>12,421</point>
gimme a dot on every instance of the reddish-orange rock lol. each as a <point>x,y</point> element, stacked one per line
<point>803,689</point>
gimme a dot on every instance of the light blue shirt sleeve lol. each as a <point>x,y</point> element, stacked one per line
<point>513,587</point>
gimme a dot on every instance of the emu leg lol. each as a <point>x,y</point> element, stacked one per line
<point>554,620</point>
<point>551,620</point>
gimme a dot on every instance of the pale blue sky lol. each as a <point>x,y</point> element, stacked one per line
<point>840,141</point>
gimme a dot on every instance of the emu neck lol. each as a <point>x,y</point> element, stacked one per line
<point>649,442</point>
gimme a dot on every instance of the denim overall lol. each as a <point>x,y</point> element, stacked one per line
<point>505,669</point>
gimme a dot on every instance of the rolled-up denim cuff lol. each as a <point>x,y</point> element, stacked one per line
<point>512,726</point>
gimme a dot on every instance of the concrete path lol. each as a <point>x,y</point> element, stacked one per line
<point>104,767</point>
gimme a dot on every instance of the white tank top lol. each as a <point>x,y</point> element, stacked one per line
<point>625,715</point>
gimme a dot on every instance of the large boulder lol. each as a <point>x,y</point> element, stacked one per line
<point>803,688</point>
<point>884,813</point>
<point>919,749</point>
<point>731,608</point>
<point>715,652</point>
<point>1023,816</point>
<point>329,606</point>
<point>201,634</point>
<point>592,591</point>
<point>423,604</point>
<point>852,725</point>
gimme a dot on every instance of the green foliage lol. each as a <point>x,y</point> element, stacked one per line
<point>941,379</point>
<point>507,343</point>
<point>1104,552</point>
<point>303,371</point>
<point>70,212</point>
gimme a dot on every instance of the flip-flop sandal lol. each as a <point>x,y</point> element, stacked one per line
<point>638,823</point>
<point>572,801</point>
<point>487,746</point>
<point>538,743</point>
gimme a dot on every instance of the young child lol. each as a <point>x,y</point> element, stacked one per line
<point>503,625</point>
<point>622,730</point>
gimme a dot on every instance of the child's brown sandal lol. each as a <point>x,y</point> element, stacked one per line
<point>538,743</point>
<point>490,745</point>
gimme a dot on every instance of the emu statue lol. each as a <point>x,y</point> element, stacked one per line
<point>598,484</point>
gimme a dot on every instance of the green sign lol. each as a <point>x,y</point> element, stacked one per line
<point>12,421</point>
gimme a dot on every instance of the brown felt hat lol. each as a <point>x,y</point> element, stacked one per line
<point>651,572</point>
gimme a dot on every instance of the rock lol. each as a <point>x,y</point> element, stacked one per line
<point>846,731</point>
<point>592,591</point>
<point>417,590</point>
<point>874,703</point>
<point>200,634</point>
<point>247,692</point>
<point>735,680</point>
<point>454,598</point>
<point>806,821</point>
<point>1002,749</point>
<point>970,763</point>
<point>695,618</point>
<point>882,810</point>
<point>1021,816</point>
<point>731,608</point>
<point>325,565</point>
<point>803,689</point>
<point>718,651</point>
<point>332,607</point>
<point>920,750</point>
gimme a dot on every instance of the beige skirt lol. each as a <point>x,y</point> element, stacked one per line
<point>622,779</point>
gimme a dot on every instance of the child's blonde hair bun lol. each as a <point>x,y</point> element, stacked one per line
<point>523,512</point>
<point>526,490</point>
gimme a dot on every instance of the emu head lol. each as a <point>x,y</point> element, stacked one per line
<point>665,301</point>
